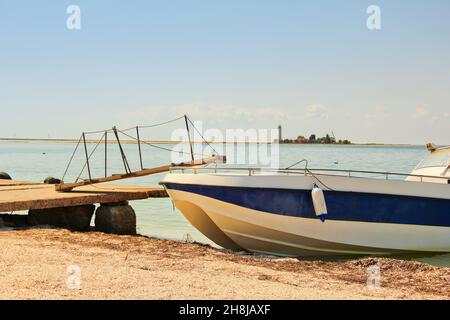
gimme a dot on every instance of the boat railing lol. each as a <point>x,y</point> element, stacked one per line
<point>306,171</point>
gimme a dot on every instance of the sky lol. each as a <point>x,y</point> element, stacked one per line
<point>311,66</point>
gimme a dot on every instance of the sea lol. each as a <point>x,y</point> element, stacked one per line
<point>157,217</point>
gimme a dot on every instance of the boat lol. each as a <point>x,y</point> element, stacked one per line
<point>319,212</point>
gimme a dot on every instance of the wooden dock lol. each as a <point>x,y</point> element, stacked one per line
<point>26,195</point>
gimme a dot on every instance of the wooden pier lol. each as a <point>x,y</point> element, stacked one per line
<point>25,195</point>
<point>72,204</point>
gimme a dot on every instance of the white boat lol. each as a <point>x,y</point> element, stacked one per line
<point>273,212</point>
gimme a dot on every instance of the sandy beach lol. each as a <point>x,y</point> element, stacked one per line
<point>34,265</point>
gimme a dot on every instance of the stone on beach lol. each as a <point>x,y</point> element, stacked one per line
<point>118,218</point>
<point>74,218</point>
<point>51,180</point>
<point>5,176</point>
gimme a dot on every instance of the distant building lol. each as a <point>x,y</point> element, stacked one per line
<point>280,136</point>
<point>313,139</point>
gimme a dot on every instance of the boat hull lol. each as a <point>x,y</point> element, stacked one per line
<point>280,220</point>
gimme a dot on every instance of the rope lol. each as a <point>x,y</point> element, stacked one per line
<point>99,131</point>
<point>157,124</point>
<point>71,158</point>
<point>159,147</point>
<point>89,157</point>
<point>133,138</point>
<point>133,128</point>
<point>298,162</point>
<point>318,180</point>
<point>203,138</point>
<point>310,172</point>
<point>140,127</point>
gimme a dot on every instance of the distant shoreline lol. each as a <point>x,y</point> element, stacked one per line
<point>354,144</point>
<point>62,140</point>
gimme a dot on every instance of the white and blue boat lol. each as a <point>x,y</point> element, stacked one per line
<point>317,212</point>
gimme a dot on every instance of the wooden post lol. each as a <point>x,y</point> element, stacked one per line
<point>124,158</point>
<point>189,136</point>
<point>87,156</point>
<point>106,154</point>
<point>139,146</point>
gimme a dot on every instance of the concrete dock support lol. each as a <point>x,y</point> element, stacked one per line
<point>76,218</point>
<point>117,218</point>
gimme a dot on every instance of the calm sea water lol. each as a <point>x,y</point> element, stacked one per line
<point>157,217</point>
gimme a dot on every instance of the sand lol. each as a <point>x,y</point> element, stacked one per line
<point>34,265</point>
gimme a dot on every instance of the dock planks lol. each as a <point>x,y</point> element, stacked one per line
<point>24,195</point>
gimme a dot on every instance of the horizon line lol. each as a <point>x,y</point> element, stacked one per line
<point>70,140</point>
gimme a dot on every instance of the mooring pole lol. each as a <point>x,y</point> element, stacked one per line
<point>139,146</point>
<point>87,156</point>
<point>106,154</point>
<point>189,136</point>
<point>124,158</point>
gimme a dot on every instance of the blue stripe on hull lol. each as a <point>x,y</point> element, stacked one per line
<point>346,206</point>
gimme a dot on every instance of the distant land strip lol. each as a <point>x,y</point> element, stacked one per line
<point>62,140</point>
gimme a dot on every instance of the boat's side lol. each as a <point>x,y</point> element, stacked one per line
<point>256,216</point>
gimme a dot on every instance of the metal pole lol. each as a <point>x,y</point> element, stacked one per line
<point>139,146</point>
<point>87,157</point>
<point>106,154</point>
<point>189,136</point>
<point>124,158</point>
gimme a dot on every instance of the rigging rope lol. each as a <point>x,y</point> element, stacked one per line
<point>71,158</point>
<point>309,171</point>
<point>161,123</point>
<point>203,138</point>
<point>105,132</point>
<point>140,127</point>
<point>89,157</point>
<point>159,147</point>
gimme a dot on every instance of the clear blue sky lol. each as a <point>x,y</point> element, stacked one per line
<point>312,66</point>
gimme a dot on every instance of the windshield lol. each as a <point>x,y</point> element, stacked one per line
<point>436,159</point>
